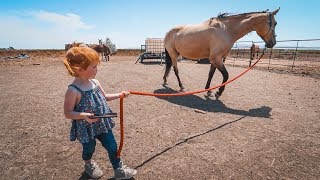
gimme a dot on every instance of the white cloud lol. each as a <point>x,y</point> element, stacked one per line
<point>41,30</point>
<point>69,20</point>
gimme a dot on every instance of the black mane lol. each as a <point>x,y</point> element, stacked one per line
<point>224,15</point>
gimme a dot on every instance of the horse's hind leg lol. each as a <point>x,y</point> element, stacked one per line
<point>166,74</point>
<point>176,72</point>
<point>171,60</point>
<point>211,72</point>
<point>225,75</point>
<point>168,67</point>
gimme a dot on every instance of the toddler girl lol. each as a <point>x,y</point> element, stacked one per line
<point>84,98</point>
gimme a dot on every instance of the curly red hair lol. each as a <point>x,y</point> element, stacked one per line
<point>80,58</point>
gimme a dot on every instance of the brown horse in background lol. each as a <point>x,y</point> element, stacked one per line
<point>75,44</point>
<point>254,51</point>
<point>214,38</point>
<point>103,49</point>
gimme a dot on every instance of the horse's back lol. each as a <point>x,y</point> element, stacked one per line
<point>182,35</point>
<point>170,35</point>
<point>198,41</point>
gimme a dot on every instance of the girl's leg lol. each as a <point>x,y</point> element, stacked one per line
<point>90,167</point>
<point>109,143</point>
<point>88,150</point>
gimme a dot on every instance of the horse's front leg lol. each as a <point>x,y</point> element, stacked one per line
<point>211,72</point>
<point>225,75</point>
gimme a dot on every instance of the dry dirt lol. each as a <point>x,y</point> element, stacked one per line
<point>265,125</point>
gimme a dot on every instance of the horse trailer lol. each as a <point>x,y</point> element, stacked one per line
<point>153,49</point>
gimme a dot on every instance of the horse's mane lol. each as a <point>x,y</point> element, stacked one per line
<point>216,21</point>
<point>224,15</point>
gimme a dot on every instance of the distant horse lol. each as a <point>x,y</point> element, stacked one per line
<point>254,51</point>
<point>214,38</point>
<point>99,48</point>
<point>103,49</point>
<point>75,44</point>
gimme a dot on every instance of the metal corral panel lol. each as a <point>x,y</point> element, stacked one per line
<point>154,45</point>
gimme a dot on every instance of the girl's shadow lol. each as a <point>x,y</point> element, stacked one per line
<point>209,105</point>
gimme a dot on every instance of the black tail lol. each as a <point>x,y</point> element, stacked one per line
<point>168,60</point>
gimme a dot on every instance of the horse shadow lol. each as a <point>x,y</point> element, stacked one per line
<point>211,105</point>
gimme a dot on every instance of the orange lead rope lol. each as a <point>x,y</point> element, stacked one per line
<point>121,126</point>
<point>175,94</point>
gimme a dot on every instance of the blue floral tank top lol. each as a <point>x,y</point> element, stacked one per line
<point>92,101</point>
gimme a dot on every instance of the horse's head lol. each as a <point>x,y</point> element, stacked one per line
<point>100,41</point>
<point>266,30</point>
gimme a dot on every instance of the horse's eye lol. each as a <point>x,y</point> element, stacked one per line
<point>275,23</point>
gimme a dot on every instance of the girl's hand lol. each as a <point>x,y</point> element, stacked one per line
<point>88,117</point>
<point>125,93</point>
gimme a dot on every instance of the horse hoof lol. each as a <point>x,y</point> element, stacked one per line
<point>182,90</point>
<point>217,95</point>
<point>209,94</point>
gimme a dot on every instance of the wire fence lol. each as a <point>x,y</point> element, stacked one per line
<point>290,55</point>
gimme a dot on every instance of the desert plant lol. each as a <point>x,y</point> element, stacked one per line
<point>111,45</point>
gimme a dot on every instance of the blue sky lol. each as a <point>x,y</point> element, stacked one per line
<point>38,24</point>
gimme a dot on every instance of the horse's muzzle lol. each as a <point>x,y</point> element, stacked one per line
<point>271,43</point>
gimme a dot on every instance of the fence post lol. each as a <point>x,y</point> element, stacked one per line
<point>295,55</point>
<point>270,56</point>
<point>236,54</point>
<point>252,51</point>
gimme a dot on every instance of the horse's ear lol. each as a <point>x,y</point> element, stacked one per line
<point>276,11</point>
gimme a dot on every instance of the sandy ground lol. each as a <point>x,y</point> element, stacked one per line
<point>265,125</point>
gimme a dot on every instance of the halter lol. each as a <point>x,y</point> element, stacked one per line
<point>270,27</point>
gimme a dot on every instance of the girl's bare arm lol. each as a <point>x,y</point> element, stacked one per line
<point>110,97</point>
<point>70,100</point>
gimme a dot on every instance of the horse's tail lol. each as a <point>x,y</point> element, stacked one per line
<point>168,60</point>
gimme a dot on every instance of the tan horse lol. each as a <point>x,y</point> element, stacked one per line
<point>214,38</point>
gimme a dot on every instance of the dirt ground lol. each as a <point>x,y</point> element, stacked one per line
<point>265,125</point>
